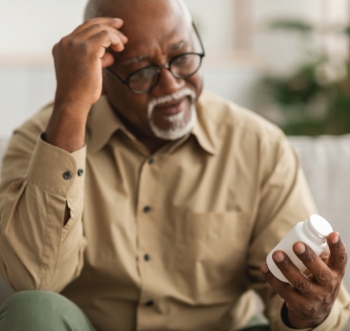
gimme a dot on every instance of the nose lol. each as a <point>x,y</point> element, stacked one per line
<point>167,83</point>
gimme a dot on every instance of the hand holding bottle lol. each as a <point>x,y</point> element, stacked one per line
<point>309,298</point>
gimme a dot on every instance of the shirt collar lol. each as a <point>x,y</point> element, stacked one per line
<point>103,123</point>
<point>204,128</point>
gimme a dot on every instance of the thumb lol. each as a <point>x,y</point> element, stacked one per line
<point>107,60</point>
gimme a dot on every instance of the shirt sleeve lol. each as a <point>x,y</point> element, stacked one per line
<point>284,200</point>
<point>336,319</point>
<point>37,251</point>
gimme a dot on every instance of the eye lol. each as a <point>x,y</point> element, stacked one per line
<point>183,60</point>
<point>143,74</point>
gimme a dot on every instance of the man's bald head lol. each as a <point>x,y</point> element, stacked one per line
<point>120,8</point>
<point>158,31</point>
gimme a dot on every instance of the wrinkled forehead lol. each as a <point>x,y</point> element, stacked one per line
<point>153,16</point>
<point>137,10</point>
<point>155,21</point>
<point>147,23</point>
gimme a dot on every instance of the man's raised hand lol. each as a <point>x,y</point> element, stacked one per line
<point>79,60</point>
<point>81,56</point>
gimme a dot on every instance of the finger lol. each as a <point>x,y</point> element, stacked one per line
<point>54,48</point>
<point>338,257</point>
<point>103,42</point>
<point>95,29</point>
<point>114,22</point>
<point>319,270</point>
<point>308,273</point>
<point>107,60</point>
<point>301,282</point>
<point>284,290</point>
<point>105,39</point>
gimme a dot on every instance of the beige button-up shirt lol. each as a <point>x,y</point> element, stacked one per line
<point>163,241</point>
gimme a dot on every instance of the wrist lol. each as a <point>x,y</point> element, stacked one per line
<point>297,322</point>
<point>284,316</point>
<point>73,107</point>
<point>67,125</point>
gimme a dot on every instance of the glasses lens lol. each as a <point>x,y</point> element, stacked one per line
<point>141,81</point>
<point>185,64</point>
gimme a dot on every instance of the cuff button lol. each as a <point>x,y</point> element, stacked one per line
<point>67,175</point>
<point>80,172</point>
<point>149,303</point>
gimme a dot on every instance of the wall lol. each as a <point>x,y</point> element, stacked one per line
<point>33,26</point>
<point>29,30</point>
<point>283,49</point>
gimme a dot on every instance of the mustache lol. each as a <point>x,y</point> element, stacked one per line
<point>185,92</point>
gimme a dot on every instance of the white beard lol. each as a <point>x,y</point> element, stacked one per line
<point>179,125</point>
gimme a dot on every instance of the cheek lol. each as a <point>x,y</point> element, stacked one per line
<point>132,106</point>
<point>133,110</point>
<point>196,81</point>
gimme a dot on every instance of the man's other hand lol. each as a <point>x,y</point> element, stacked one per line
<point>311,298</point>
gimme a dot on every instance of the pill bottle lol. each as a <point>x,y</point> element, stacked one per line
<point>312,232</point>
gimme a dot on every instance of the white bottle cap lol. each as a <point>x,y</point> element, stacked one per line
<point>318,226</point>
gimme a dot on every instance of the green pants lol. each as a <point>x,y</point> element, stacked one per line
<point>48,311</point>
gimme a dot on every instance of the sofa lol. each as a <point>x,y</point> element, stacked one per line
<point>326,164</point>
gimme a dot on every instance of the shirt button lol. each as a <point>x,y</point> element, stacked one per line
<point>146,209</point>
<point>146,257</point>
<point>150,161</point>
<point>67,175</point>
<point>149,303</point>
<point>80,172</point>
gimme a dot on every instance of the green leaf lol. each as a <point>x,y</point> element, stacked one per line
<point>291,25</point>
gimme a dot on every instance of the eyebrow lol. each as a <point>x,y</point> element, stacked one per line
<point>176,46</point>
<point>142,57</point>
<point>135,59</point>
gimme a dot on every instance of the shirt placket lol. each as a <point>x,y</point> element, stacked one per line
<point>146,219</point>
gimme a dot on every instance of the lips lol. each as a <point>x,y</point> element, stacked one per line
<point>171,108</point>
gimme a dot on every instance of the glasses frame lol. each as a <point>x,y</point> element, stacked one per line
<point>167,65</point>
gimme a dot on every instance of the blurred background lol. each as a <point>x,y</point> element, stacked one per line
<point>287,60</point>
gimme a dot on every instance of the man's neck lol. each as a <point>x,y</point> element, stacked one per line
<point>151,143</point>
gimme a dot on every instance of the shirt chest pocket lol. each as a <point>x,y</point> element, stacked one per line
<point>211,251</point>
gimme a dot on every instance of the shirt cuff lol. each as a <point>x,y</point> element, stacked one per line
<point>330,323</point>
<point>56,170</point>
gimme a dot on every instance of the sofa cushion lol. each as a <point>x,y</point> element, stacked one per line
<point>326,163</point>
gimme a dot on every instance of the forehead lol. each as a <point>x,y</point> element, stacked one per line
<point>144,53</point>
<point>154,16</point>
<point>167,38</point>
<point>144,11</point>
<point>150,27</point>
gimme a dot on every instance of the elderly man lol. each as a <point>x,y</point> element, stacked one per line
<point>148,205</point>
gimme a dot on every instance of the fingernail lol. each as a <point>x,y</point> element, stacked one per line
<point>278,257</point>
<point>264,268</point>
<point>335,239</point>
<point>300,248</point>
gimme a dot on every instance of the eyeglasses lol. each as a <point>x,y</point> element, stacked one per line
<point>181,66</point>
